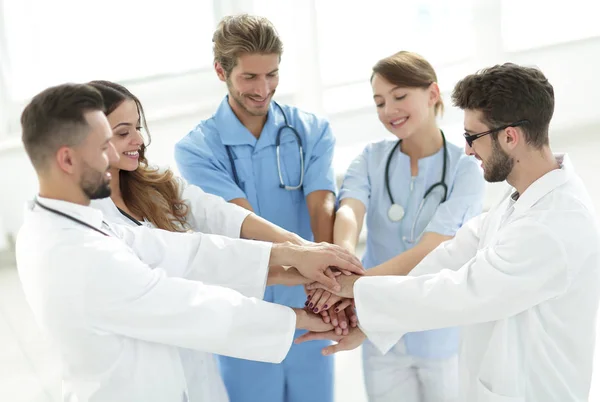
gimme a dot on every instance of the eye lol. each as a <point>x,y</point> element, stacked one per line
<point>124,134</point>
<point>139,128</point>
<point>379,105</point>
<point>400,97</point>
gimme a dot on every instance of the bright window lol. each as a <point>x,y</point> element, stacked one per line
<point>352,39</point>
<point>528,24</point>
<point>50,42</point>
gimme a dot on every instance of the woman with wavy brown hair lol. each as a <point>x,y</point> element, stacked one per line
<point>145,195</point>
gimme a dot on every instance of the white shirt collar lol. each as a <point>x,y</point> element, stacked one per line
<point>545,184</point>
<point>87,214</point>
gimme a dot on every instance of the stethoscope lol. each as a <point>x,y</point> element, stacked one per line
<point>396,211</point>
<point>277,145</point>
<point>72,218</point>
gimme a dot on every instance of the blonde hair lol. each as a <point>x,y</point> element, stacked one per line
<point>408,70</point>
<point>241,34</point>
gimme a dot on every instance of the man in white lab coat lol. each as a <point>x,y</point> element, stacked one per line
<point>523,280</point>
<point>117,323</point>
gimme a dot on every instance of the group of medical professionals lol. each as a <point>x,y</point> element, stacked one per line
<point>239,280</point>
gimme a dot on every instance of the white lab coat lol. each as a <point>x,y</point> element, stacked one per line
<point>118,313</point>
<point>210,214</point>
<point>523,280</point>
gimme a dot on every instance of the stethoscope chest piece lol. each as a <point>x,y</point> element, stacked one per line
<point>396,213</point>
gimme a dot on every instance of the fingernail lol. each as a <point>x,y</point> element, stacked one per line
<point>325,307</point>
<point>309,296</point>
<point>306,304</point>
<point>337,310</point>
<point>310,305</point>
<point>315,310</point>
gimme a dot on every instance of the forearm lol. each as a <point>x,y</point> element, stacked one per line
<point>403,263</point>
<point>322,217</point>
<point>288,277</point>
<point>256,228</point>
<point>346,229</point>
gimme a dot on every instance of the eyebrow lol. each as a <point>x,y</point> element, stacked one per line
<point>271,72</point>
<point>390,91</point>
<point>122,124</point>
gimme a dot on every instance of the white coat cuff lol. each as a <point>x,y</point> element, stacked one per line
<point>370,320</point>
<point>235,219</point>
<point>283,341</point>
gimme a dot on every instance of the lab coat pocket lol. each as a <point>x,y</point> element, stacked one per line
<point>484,394</point>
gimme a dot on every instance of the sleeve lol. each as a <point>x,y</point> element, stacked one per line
<point>242,265</point>
<point>464,201</point>
<point>209,213</point>
<point>319,173</point>
<point>501,281</point>
<point>123,296</point>
<point>356,183</point>
<point>200,166</point>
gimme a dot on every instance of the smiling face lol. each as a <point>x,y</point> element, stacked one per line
<point>252,82</point>
<point>127,137</point>
<point>496,163</point>
<point>402,110</point>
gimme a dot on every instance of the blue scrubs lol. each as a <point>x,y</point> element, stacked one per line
<point>201,156</point>
<point>365,181</point>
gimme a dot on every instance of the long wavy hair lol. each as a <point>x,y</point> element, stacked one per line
<point>148,191</point>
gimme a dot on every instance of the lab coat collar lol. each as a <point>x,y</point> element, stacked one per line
<point>545,184</point>
<point>233,132</point>
<point>87,214</point>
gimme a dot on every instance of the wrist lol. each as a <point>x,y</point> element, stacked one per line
<point>282,254</point>
<point>301,316</point>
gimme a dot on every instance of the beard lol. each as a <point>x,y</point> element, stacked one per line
<point>239,98</point>
<point>94,184</point>
<point>499,166</point>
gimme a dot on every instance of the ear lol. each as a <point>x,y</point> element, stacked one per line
<point>65,160</point>
<point>513,137</point>
<point>434,93</point>
<point>220,71</point>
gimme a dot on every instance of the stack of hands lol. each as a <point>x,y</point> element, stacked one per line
<point>330,297</point>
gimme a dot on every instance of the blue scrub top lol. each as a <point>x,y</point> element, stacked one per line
<point>365,181</point>
<point>202,159</point>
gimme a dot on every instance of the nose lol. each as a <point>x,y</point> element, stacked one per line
<point>263,88</point>
<point>112,155</point>
<point>469,149</point>
<point>137,139</point>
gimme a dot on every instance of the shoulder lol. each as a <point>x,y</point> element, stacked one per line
<point>203,136</point>
<point>311,124</point>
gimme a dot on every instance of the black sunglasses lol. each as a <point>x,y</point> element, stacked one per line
<point>472,137</point>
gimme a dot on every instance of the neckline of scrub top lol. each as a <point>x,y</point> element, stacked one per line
<point>87,214</point>
<point>545,184</point>
<point>233,132</point>
<point>421,162</point>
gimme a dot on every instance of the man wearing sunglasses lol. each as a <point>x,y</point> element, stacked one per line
<point>522,280</point>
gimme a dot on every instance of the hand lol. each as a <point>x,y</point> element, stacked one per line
<point>310,322</point>
<point>345,289</point>
<point>314,261</point>
<point>351,341</point>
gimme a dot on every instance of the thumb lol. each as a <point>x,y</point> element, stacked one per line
<point>330,350</point>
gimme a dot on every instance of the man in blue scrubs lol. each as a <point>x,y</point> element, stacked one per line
<point>234,154</point>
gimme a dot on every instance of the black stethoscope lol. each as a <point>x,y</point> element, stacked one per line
<point>72,218</point>
<point>277,145</point>
<point>131,218</point>
<point>396,211</point>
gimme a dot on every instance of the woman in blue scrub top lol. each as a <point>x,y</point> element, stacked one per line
<point>277,161</point>
<point>388,182</point>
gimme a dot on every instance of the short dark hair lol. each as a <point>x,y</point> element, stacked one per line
<point>506,94</point>
<point>55,118</point>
